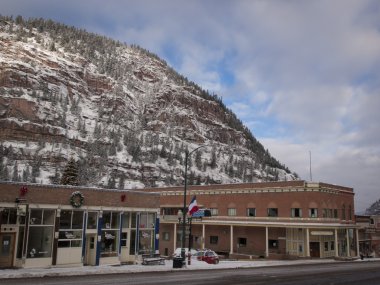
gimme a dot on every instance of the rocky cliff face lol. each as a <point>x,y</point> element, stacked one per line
<point>122,113</point>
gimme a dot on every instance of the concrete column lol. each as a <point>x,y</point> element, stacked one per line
<point>175,237</point>
<point>336,243</point>
<point>266,242</point>
<point>203,236</point>
<point>348,243</point>
<point>357,242</point>
<point>307,243</point>
<point>231,239</point>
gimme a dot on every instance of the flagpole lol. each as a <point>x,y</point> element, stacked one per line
<point>184,212</point>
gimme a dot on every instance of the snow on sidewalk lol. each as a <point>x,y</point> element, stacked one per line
<point>110,269</point>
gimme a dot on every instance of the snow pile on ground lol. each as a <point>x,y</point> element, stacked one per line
<point>195,265</point>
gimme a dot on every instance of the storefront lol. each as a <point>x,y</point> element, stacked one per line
<point>56,225</point>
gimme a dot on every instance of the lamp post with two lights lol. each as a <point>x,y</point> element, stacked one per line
<point>184,208</point>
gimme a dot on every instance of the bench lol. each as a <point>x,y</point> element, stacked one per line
<point>152,259</point>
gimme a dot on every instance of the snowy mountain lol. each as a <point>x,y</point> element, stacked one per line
<point>119,111</point>
<point>374,209</point>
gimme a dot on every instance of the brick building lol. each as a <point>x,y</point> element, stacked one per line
<point>369,235</point>
<point>271,219</point>
<point>44,225</point>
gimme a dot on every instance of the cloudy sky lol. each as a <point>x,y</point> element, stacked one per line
<point>304,76</point>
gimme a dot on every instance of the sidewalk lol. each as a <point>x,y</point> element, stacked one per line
<point>195,265</point>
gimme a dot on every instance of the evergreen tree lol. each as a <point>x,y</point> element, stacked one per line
<point>15,176</point>
<point>198,160</point>
<point>26,174</point>
<point>213,158</point>
<point>70,173</point>
<point>55,179</point>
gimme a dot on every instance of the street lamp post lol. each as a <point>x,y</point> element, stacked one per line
<point>187,156</point>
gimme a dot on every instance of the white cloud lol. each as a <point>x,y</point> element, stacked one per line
<point>305,73</point>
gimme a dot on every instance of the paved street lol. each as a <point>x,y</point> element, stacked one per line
<point>349,273</point>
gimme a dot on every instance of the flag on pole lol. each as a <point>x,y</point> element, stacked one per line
<point>193,207</point>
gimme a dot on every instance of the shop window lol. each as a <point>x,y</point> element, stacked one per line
<point>146,241</point>
<point>326,246</point>
<point>147,220</point>
<point>8,216</point>
<point>213,239</point>
<point>273,243</point>
<point>70,229</point>
<point>125,219</point>
<point>92,220</point>
<point>332,245</point>
<point>36,217</point>
<point>109,243</point>
<point>214,211</point>
<point>231,211</point>
<point>313,213</point>
<point>272,212</point>
<point>77,220</point>
<point>40,236</point>
<point>133,220</point>
<point>242,242</point>
<point>166,236</point>
<point>124,239</point>
<point>251,212</point>
<point>296,213</point>
<point>110,234</point>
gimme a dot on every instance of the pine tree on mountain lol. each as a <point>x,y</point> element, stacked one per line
<point>15,176</point>
<point>70,173</point>
<point>213,158</point>
<point>198,160</point>
<point>54,179</point>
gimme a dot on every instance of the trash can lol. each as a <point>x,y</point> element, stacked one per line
<point>177,262</point>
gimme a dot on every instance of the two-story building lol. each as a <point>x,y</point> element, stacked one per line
<point>270,219</point>
<point>369,235</point>
<point>48,225</point>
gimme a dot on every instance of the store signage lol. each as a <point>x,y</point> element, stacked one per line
<point>322,233</point>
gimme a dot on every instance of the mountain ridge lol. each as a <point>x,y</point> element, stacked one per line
<point>124,115</point>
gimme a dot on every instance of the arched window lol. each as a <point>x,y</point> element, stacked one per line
<point>350,213</point>
<point>343,212</point>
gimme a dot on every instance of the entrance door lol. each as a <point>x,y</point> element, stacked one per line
<point>314,249</point>
<point>90,249</point>
<point>7,245</point>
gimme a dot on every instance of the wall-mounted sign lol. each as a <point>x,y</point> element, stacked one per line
<point>321,233</point>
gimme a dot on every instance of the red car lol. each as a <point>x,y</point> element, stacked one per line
<point>209,256</point>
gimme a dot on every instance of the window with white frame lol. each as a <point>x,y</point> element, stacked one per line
<point>110,234</point>
<point>214,211</point>
<point>313,213</point>
<point>166,236</point>
<point>251,212</point>
<point>231,211</point>
<point>70,228</point>
<point>272,212</point>
<point>296,212</point>
<point>40,237</point>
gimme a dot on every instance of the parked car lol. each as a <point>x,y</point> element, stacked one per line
<point>208,256</point>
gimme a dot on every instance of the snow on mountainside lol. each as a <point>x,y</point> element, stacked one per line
<point>122,113</point>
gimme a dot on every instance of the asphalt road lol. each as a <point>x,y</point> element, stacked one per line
<point>347,273</point>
